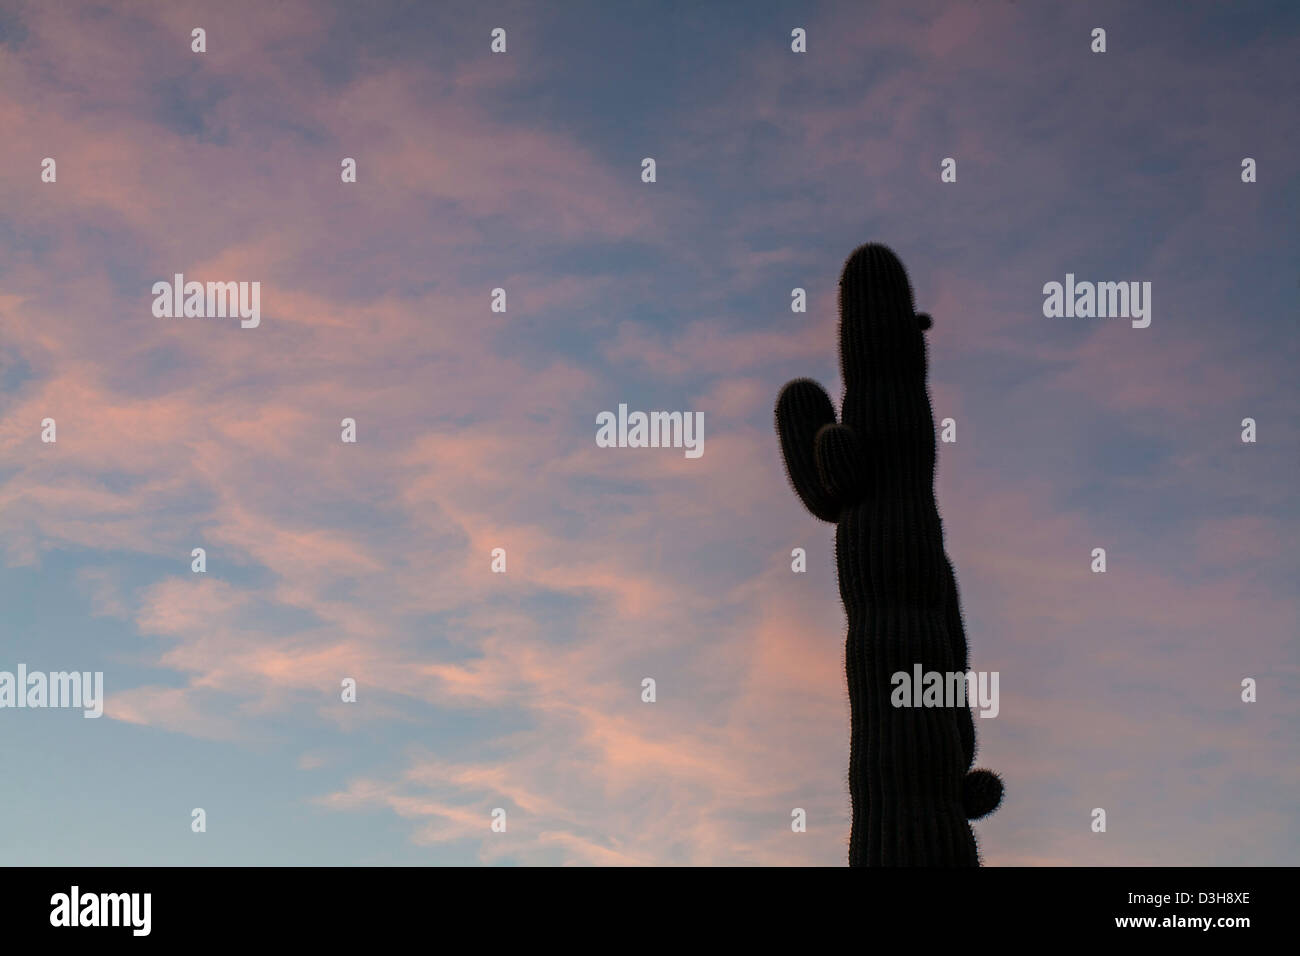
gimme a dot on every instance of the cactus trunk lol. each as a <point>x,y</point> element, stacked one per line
<point>872,473</point>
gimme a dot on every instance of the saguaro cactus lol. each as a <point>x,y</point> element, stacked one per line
<point>872,474</point>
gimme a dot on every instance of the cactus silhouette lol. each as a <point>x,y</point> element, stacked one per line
<point>872,474</point>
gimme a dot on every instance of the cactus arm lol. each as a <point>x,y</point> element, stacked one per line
<point>981,793</point>
<point>802,409</point>
<point>840,464</point>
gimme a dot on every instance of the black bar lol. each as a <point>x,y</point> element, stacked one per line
<point>641,908</point>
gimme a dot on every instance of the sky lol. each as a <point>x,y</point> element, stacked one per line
<point>476,429</point>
